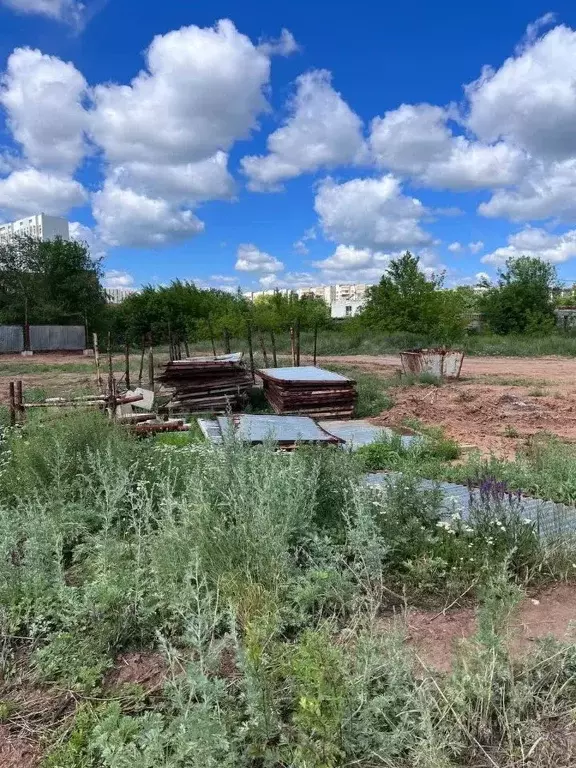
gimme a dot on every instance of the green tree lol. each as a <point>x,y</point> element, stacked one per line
<point>55,281</point>
<point>522,300</point>
<point>405,300</point>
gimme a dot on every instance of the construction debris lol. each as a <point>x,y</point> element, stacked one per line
<point>285,431</point>
<point>309,390</point>
<point>216,384</point>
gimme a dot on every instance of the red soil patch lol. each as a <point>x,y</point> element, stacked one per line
<point>435,637</point>
<point>485,415</point>
<point>16,752</point>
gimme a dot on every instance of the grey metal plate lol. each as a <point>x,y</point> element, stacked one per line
<point>357,433</point>
<point>304,373</point>
<point>281,429</point>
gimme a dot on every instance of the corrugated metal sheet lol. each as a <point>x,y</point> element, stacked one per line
<point>279,429</point>
<point>52,338</point>
<point>551,519</point>
<point>11,338</point>
<point>307,373</point>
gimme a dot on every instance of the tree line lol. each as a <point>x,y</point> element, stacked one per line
<point>59,282</point>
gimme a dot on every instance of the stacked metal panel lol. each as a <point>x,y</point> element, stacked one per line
<point>309,390</point>
<point>285,431</point>
<point>214,384</point>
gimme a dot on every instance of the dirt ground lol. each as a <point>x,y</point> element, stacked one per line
<point>435,636</point>
<point>496,402</point>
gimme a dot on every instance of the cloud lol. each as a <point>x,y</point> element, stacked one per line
<point>476,247</point>
<point>85,234</point>
<point>202,89</point>
<point>370,213</point>
<point>28,191</point>
<point>415,140</point>
<point>300,245</point>
<point>533,241</point>
<point>285,45</point>
<point>322,132</point>
<point>354,265</point>
<point>191,183</point>
<point>115,278</point>
<point>165,136</point>
<point>69,11</point>
<point>252,259</point>
<point>43,99</point>
<point>127,218</point>
<point>455,247</point>
<point>547,190</point>
<point>289,281</point>
<point>530,101</point>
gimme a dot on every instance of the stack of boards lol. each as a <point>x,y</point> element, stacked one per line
<point>216,384</point>
<point>309,391</point>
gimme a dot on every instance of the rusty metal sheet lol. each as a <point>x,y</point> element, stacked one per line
<point>438,362</point>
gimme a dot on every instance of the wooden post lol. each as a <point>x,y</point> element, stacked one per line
<point>141,371</point>
<point>297,334</point>
<point>250,349</point>
<point>150,364</point>
<point>211,331</point>
<point>264,355</point>
<point>171,345</point>
<point>273,342</point>
<point>97,360</point>
<point>19,401</point>
<point>187,349</point>
<point>227,341</point>
<point>292,347</point>
<point>315,341</point>
<point>110,366</point>
<point>12,403</point>
<point>26,326</point>
<point>127,365</point>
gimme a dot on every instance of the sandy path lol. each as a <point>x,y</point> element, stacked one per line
<point>552,369</point>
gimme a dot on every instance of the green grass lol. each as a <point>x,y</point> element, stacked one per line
<point>261,579</point>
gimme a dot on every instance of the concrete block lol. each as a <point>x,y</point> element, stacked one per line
<point>147,402</point>
<point>88,353</point>
<point>27,353</point>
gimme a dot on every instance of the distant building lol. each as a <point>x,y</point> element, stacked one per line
<point>330,293</point>
<point>340,310</point>
<point>117,295</point>
<point>39,226</point>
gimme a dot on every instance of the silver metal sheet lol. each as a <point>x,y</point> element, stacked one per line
<point>281,429</point>
<point>233,357</point>
<point>211,430</point>
<point>303,373</point>
<point>357,433</point>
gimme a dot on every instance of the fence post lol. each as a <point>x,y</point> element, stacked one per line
<point>127,364</point>
<point>298,342</point>
<point>250,349</point>
<point>315,341</point>
<point>264,355</point>
<point>12,404</point>
<point>227,341</point>
<point>97,360</point>
<point>150,364</point>
<point>19,401</point>
<point>211,331</point>
<point>141,371</point>
<point>273,342</point>
<point>292,346</point>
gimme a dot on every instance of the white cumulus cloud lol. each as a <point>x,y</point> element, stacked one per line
<point>476,246</point>
<point>85,234</point>
<point>285,45</point>
<point>455,247</point>
<point>322,132</point>
<point>370,213</point>
<point>251,259</point>
<point>28,191</point>
<point>533,241</point>
<point>43,97</point>
<point>115,278</point>
<point>70,11</point>
<point>127,218</point>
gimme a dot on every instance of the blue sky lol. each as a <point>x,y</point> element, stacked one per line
<point>286,144</point>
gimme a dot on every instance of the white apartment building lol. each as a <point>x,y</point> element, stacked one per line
<point>39,226</point>
<point>342,293</point>
<point>117,295</point>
